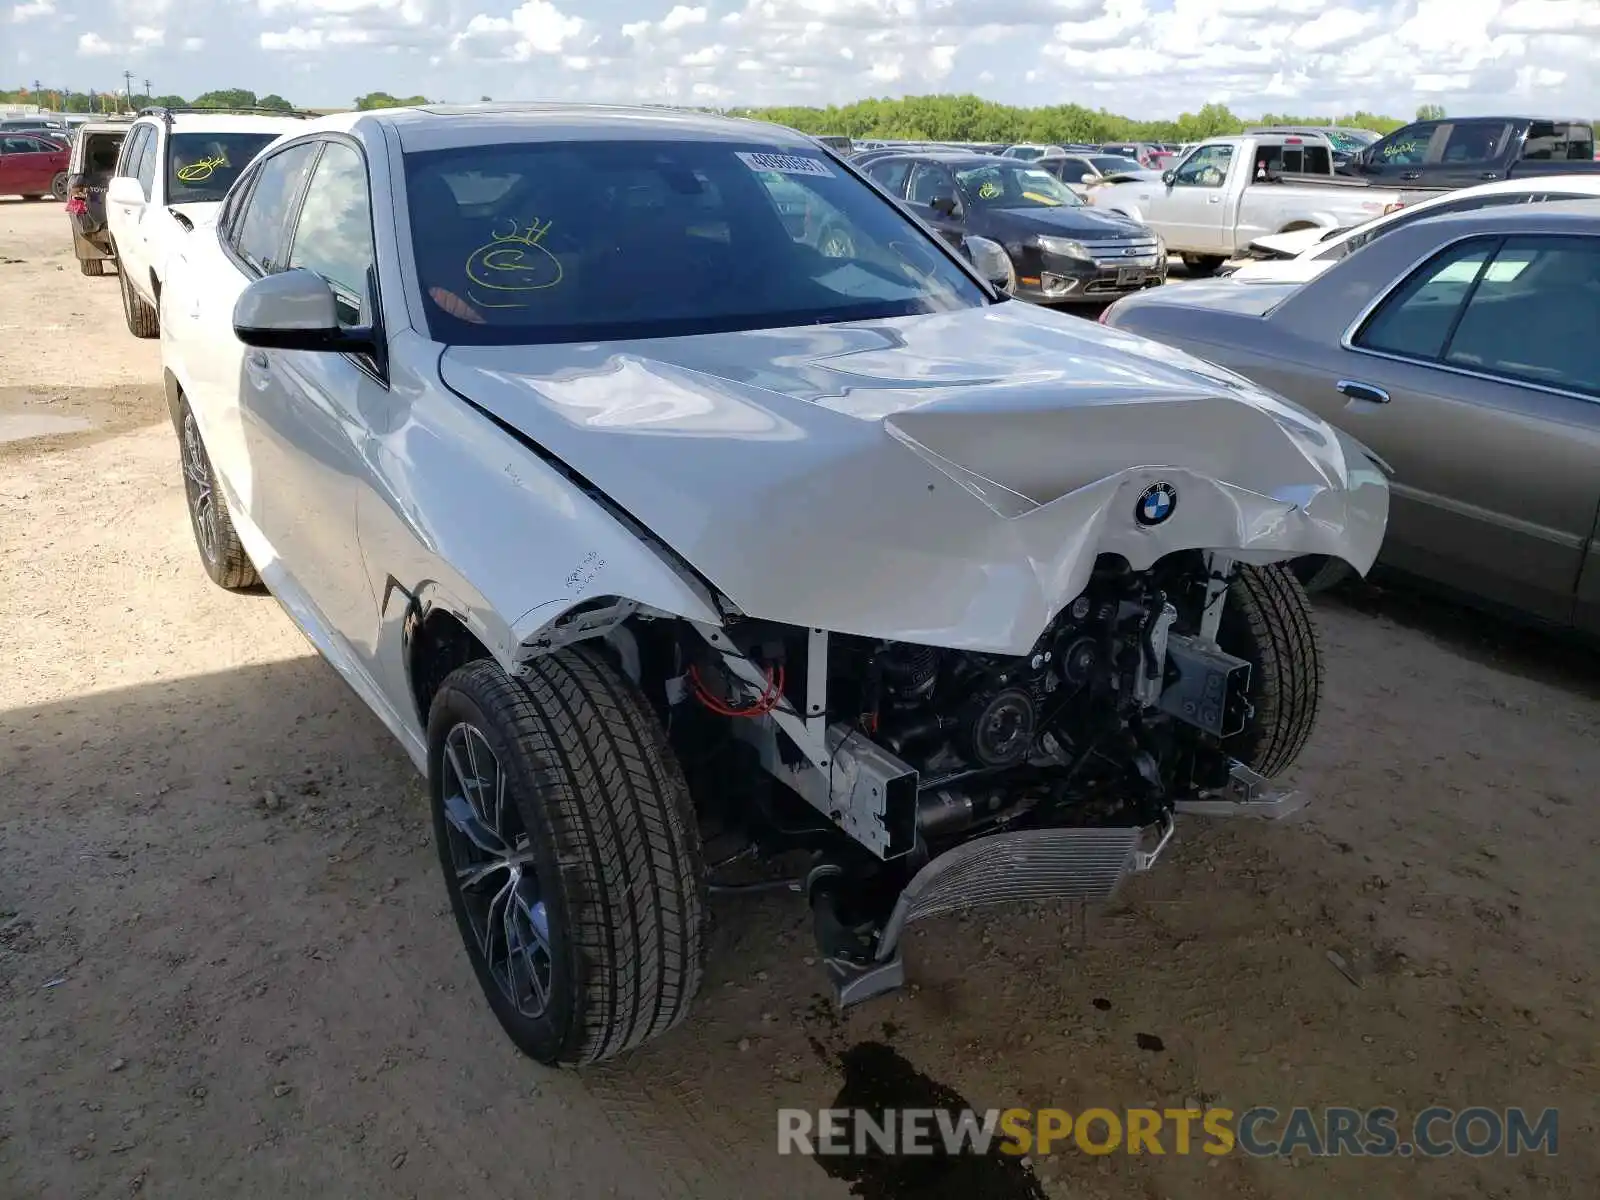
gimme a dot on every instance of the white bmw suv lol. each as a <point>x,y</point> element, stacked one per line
<point>174,169</point>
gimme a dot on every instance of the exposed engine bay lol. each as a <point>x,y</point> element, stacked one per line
<point>1126,708</point>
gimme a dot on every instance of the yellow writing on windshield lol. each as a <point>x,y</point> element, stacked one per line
<point>201,170</point>
<point>989,190</point>
<point>513,262</point>
<point>1037,198</point>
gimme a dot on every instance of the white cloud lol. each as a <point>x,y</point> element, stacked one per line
<point>92,45</point>
<point>30,9</point>
<point>681,17</point>
<point>537,27</point>
<point>147,37</point>
<point>192,44</point>
<point>293,39</point>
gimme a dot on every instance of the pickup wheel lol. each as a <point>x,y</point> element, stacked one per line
<point>1267,620</point>
<point>221,553</point>
<point>92,266</point>
<point>1203,264</point>
<point>143,321</point>
<point>570,853</point>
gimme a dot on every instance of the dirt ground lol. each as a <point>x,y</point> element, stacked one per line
<point>227,965</point>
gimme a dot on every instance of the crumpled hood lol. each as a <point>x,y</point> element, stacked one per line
<point>947,479</point>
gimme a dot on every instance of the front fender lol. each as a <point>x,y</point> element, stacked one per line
<point>470,518</point>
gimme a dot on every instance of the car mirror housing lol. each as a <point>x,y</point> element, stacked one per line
<point>125,189</point>
<point>296,310</point>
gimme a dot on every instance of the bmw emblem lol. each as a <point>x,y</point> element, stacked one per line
<point>1156,503</point>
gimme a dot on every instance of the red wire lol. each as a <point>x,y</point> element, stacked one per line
<point>768,700</point>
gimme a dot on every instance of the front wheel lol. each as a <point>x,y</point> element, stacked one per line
<point>1203,264</point>
<point>570,854</point>
<point>1267,620</point>
<point>221,552</point>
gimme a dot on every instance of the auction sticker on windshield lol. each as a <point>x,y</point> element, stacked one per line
<point>786,164</point>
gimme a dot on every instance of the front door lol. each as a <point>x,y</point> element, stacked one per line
<point>930,186</point>
<point>25,166</point>
<point>1191,211</point>
<point>310,411</point>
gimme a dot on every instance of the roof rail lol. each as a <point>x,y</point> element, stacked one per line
<point>166,113</point>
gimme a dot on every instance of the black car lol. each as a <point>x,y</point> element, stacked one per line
<point>1466,151</point>
<point>1062,250</point>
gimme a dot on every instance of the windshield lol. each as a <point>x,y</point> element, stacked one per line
<point>1114,164</point>
<point>1004,185</point>
<point>203,166</point>
<point>601,241</point>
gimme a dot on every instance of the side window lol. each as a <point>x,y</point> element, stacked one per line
<point>1580,143</point>
<point>929,181</point>
<point>148,158</point>
<point>1207,167</point>
<point>263,225</point>
<point>1474,142</point>
<point>1533,315</point>
<point>238,196</point>
<point>1416,319</point>
<point>1546,140</point>
<point>334,233</point>
<point>891,175</point>
<point>128,159</point>
<point>1406,147</point>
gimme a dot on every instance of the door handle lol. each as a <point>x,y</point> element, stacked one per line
<point>1213,199</point>
<point>258,360</point>
<point>1363,391</point>
<point>1489,175</point>
<point>1410,174</point>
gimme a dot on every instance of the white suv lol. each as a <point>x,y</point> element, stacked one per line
<point>173,171</point>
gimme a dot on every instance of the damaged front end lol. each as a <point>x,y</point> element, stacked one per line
<point>919,779</point>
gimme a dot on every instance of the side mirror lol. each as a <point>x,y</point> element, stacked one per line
<point>125,189</point>
<point>946,206</point>
<point>1167,177</point>
<point>992,262</point>
<point>1086,177</point>
<point>295,310</point>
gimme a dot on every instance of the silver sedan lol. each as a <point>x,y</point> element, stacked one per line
<point>1465,351</point>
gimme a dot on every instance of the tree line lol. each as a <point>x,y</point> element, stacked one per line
<point>913,118</point>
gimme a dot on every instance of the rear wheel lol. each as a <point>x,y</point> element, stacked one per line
<point>92,266</point>
<point>1268,621</point>
<point>221,552</point>
<point>143,322</point>
<point>570,853</point>
<point>58,186</point>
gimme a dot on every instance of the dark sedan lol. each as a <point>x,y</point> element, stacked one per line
<point>1062,250</point>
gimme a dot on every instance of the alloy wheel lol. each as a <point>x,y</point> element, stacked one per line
<point>490,854</point>
<point>197,485</point>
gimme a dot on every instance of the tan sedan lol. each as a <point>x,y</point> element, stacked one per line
<point>1465,351</point>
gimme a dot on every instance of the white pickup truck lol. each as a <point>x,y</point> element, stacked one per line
<point>1229,191</point>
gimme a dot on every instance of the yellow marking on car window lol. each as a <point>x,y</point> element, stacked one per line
<point>1035,196</point>
<point>989,190</point>
<point>513,262</point>
<point>201,170</point>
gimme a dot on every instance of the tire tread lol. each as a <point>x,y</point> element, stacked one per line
<point>1268,611</point>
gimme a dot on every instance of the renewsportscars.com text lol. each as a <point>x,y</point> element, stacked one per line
<point>1259,1132</point>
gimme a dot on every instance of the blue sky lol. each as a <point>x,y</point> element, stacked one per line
<point>1140,57</point>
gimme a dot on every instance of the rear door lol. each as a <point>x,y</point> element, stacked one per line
<point>1467,153</point>
<point>1478,379</point>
